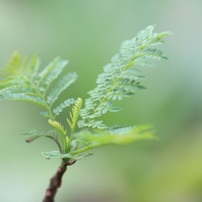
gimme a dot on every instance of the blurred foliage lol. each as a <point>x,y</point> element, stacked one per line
<point>88,33</point>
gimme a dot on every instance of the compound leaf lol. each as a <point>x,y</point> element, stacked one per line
<point>33,134</point>
<point>21,92</point>
<point>74,114</point>
<point>66,103</point>
<point>120,136</point>
<point>60,86</point>
<point>120,78</point>
<point>51,72</point>
<point>56,154</point>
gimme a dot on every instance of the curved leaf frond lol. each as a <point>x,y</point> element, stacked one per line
<point>12,82</point>
<point>51,72</point>
<point>56,154</point>
<point>61,135</point>
<point>60,86</point>
<point>33,135</point>
<point>66,103</point>
<point>123,135</point>
<point>58,127</point>
<point>74,116</point>
<point>121,78</point>
<point>13,66</point>
<point>22,93</point>
<point>22,80</point>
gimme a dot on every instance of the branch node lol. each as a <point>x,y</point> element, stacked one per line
<point>71,162</point>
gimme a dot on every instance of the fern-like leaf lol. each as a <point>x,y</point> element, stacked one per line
<point>34,134</point>
<point>62,136</point>
<point>21,93</point>
<point>62,84</point>
<point>22,80</point>
<point>13,66</point>
<point>58,109</point>
<point>10,82</point>
<point>120,136</point>
<point>50,73</point>
<point>74,116</point>
<point>57,154</point>
<point>121,78</point>
<point>32,67</point>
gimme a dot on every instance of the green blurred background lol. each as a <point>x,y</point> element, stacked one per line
<point>88,33</point>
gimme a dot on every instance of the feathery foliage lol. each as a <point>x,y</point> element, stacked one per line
<point>121,78</point>
<point>23,80</point>
<point>74,116</point>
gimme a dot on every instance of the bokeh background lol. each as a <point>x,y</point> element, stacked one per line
<point>88,33</point>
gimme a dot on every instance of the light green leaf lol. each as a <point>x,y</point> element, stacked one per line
<point>13,66</point>
<point>74,115</point>
<point>32,66</point>
<point>57,110</point>
<point>21,92</point>
<point>58,127</point>
<point>33,135</point>
<point>61,134</point>
<point>120,78</point>
<point>60,86</point>
<point>117,136</point>
<point>22,97</point>
<point>56,154</point>
<point>12,82</point>
<point>131,134</point>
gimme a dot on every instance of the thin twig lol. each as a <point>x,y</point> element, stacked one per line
<point>56,181</point>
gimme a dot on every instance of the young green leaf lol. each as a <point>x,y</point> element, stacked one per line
<point>56,154</point>
<point>33,135</point>
<point>124,135</point>
<point>57,110</point>
<point>22,79</point>
<point>62,136</point>
<point>13,66</point>
<point>61,85</point>
<point>74,116</point>
<point>51,72</point>
<point>121,78</point>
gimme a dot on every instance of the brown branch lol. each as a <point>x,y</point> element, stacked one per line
<point>56,181</point>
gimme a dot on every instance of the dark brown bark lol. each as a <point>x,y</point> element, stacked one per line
<point>56,181</point>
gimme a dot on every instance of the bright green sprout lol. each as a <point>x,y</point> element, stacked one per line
<point>23,80</point>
